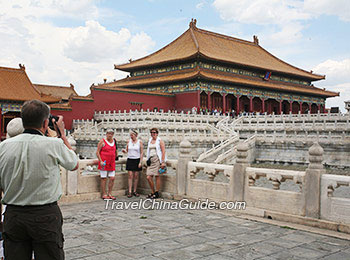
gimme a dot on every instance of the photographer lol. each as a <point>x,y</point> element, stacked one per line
<point>30,179</point>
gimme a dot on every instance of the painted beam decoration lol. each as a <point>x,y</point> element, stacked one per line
<point>236,91</point>
<point>10,107</point>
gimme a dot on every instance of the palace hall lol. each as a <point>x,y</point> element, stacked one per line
<point>201,69</point>
<point>214,71</point>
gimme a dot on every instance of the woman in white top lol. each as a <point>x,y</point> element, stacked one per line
<point>155,152</point>
<point>134,148</point>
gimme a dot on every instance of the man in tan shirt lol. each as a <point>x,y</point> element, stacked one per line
<point>30,179</point>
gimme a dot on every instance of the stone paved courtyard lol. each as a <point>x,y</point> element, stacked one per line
<point>91,232</point>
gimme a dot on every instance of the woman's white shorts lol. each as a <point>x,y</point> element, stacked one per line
<point>104,174</point>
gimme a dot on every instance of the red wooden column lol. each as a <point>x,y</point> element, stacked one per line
<point>198,100</point>
<point>238,106</point>
<point>300,107</point>
<point>280,108</point>
<point>224,103</point>
<point>290,107</point>
<point>209,101</point>
<point>319,108</point>
<point>263,105</point>
<point>251,104</point>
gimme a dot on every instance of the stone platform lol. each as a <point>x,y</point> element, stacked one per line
<point>92,232</point>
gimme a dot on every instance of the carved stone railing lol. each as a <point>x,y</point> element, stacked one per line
<point>231,153</point>
<point>220,148</point>
<point>293,122</point>
<point>276,176</point>
<point>274,199</point>
<point>210,169</point>
<point>84,183</point>
<point>173,126</point>
<point>199,188</point>
<point>155,116</point>
<point>335,208</point>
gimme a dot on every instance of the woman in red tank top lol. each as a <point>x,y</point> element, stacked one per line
<point>106,154</point>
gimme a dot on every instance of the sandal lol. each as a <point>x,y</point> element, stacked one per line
<point>150,196</point>
<point>155,195</point>
<point>129,195</point>
<point>112,197</point>
<point>136,194</point>
<point>105,197</point>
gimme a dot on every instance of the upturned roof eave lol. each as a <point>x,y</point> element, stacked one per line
<point>126,68</point>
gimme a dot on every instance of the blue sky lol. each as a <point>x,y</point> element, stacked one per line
<point>77,42</point>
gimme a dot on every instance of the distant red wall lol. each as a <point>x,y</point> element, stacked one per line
<point>108,100</point>
<point>113,100</point>
<point>186,101</point>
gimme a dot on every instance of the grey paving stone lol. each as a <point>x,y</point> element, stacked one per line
<point>164,245</point>
<point>217,257</point>
<point>178,254</point>
<point>337,256</point>
<point>91,232</point>
<point>245,252</point>
<point>284,242</point>
<point>227,243</point>
<point>212,234</point>
<point>283,255</point>
<point>307,253</point>
<point>190,240</point>
<point>336,241</point>
<point>77,252</point>
<point>138,251</point>
<point>204,249</point>
<point>323,247</point>
<point>108,256</point>
<point>130,241</point>
<point>75,242</point>
<point>102,247</point>
<point>300,237</point>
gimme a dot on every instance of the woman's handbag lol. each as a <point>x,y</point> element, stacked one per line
<point>162,170</point>
<point>148,162</point>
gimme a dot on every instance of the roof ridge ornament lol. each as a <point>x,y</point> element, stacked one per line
<point>255,39</point>
<point>193,23</point>
<point>22,67</point>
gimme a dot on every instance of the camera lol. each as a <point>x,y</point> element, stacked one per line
<point>53,124</point>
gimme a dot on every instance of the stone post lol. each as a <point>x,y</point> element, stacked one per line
<point>181,171</point>
<point>237,182</point>
<point>72,182</point>
<point>312,182</point>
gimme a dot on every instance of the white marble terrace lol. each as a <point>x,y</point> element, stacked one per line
<point>315,202</point>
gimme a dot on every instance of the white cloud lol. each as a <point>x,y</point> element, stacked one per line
<point>200,5</point>
<point>34,9</point>
<point>337,79</point>
<point>93,43</point>
<point>290,33</point>
<point>340,8</point>
<point>61,55</point>
<point>261,11</point>
<point>283,19</point>
<point>286,19</point>
<point>336,71</point>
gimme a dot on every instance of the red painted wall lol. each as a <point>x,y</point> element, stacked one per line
<point>186,101</point>
<point>112,100</point>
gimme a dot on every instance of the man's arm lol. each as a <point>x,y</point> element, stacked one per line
<point>60,125</point>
